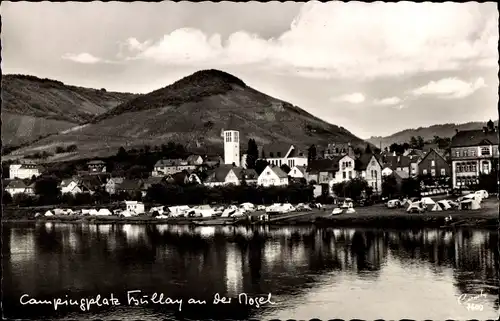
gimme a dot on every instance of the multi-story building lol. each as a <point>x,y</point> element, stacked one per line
<point>166,167</point>
<point>473,152</point>
<point>369,168</point>
<point>96,166</point>
<point>24,170</point>
<point>433,164</point>
<point>283,154</point>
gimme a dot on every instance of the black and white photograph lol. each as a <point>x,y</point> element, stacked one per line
<point>250,161</point>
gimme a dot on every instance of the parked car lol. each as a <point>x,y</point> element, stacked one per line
<point>394,204</point>
<point>482,193</point>
<point>365,202</point>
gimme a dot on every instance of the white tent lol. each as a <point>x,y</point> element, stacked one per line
<point>428,201</point>
<point>249,207</point>
<point>229,211</point>
<point>104,212</point>
<point>69,211</point>
<point>85,212</point>
<point>470,204</point>
<point>93,212</point>
<point>417,205</point>
<point>59,211</point>
<point>445,205</point>
<point>49,213</point>
<point>436,208</point>
<point>350,210</point>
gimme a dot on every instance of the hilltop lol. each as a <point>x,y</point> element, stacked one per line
<point>427,133</point>
<point>193,111</point>
<point>34,107</point>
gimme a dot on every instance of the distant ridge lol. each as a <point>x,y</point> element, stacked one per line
<point>427,133</point>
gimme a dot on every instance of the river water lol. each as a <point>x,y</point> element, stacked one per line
<point>308,272</point>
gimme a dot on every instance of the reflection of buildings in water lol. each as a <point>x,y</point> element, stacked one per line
<point>430,236</point>
<point>272,252</point>
<point>447,238</point>
<point>162,228</point>
<point>22,246</point>
<point>227,230</point>
<point>205,231</point>
<point>49,226</point>
<point>377,252</point>
<point>234,270</point>
<point>133,232</point>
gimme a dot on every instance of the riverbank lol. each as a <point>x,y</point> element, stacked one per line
<point>372,216</point>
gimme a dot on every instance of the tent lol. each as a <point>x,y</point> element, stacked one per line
<point>470,204</point>
<point>350,210</point>
<point>59,211</point>
<point>93,212</point>
<point>416,205</point>
<point>85,212</point>
<point>104,212</point>
<point>436,207</point>
<point>428,201</point>
<point>445,205</point>
<point>49,213</point>
<point>69,211</point>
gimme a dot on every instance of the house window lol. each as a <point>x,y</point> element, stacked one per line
<point>457,153</point>
<point>425,172</point>
<point>443,172</point>
<point>344,175</point>
<point>236,137</point>
<point>473,168</point>
<point>467,168</point>
<point>228,137</point>
<point>433,163</point>
<point>279,154</point>
<point>472,153</point>
<point>465,153</point>
<point>485,151</point>
<point>271,154</point>
<point>433,172</point>
<point>350,174</point>
<point>294,171</point>
<point>268,173</point>
<point>486,167</point>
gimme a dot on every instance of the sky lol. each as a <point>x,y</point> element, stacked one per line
<point>373,68</point>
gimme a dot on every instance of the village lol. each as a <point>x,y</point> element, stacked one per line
<point>275,173</point>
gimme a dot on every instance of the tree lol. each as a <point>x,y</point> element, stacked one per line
<point>311,153</point>
<point>260,165</point>
<point>252,153</point>
<point>490,125</point>
<point>410,187</point>
<point>420,142</point>
<point>6,198</point>
<point>71,148</point>
<point>413,142</point>
<point>285,168</point>
<point>368,149</point>
<point>389,186</point>
<point>122,154</point>
<point>48,190</point>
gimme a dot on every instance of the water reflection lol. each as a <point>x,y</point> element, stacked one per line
<point>306,269</point>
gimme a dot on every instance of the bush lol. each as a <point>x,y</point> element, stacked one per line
<point>171,194</point>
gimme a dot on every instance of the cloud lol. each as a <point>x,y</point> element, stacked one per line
<point>450,88</point>
<point>391,39</point>
<point>354,98</point>
<point>82,58</point>
<point>387,101</point>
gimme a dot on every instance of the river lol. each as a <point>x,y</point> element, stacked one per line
<point>300,272</point>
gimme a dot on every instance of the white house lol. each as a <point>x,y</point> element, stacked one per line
<point>134,207</point>
<point>280,154</point>
<point>19,187</point>
<point>112,184</point>
<point>387,171</point>
<point>222,175</point>
<point>272,176</point>
<point>70,186</point>
<point>195,159</point>
<point>297,172</point>
<point>369,168</point>
<point>232,147</point>
<point>23,171</point>
<point>167,167</point>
